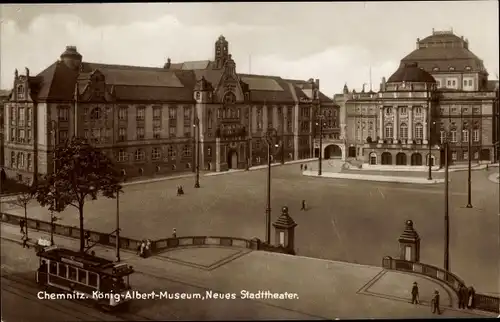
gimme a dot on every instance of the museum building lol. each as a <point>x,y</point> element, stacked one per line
<point>440,92</point>
<point>152,121</point>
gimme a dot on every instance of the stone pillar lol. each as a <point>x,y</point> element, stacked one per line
<point>409,244</point>
<point>284,229</point>
<point>381,124</point>
<point>396,123</point>
<point>217,154</point>
<point>426,126</point>
<point>410,123</point>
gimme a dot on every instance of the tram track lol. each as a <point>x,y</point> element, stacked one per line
<point>26,286</point>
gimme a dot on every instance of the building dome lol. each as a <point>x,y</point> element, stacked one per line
<point>411,73</point>
<point>71,57</point>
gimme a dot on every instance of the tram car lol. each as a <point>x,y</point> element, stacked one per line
<point>85,276</point>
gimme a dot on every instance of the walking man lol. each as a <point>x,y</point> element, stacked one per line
<point>414,293</point>
<point>301,167</point>
<point>435,303</point>
<point>305,167</point>
<point>471,292</point>
<point>303,205</point>
<point>462,297</point>
<point>21,225</point>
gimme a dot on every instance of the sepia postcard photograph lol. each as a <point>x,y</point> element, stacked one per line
<point>214,161</point>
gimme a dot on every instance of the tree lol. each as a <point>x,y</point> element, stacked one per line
<point>22,200</point>
<point>82,171</point>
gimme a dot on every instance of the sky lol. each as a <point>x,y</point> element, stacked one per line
<point>335,42</point>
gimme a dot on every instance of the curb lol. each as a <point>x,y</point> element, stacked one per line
<point>377,178</point>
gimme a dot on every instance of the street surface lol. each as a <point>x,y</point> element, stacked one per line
<point>346,220</point>
<point>338,289</point>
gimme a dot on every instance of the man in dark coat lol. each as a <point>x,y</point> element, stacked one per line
<point>414,293</point>
<point>21,225</point>
<point>435,303</point>
<point>303,205</point>
<point>301,167</point>
<point>462,297</point>
<point>471,292</point>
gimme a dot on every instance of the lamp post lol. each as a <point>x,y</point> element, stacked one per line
<point>270,136</point>
<point>469,175</point>
<point>118,225</point>
<point>53,219</point>
<point>431,125</point>
<point>196,125</point>
<point>446,208</point>
<point>321,118</point>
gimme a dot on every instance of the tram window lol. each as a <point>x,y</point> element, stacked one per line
<point>72,273</point>
<point>92,279</point>
<point>82,276</point>
<point>53,268</point>
<point>62,270</point>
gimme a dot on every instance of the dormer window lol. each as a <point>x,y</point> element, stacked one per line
<point>198,95</point>
<point>468,68</point>
<point>435,69</point>
<point>20,92</point>
<point>452,69</point>
<point>229,98</point>
<point>95,114</point>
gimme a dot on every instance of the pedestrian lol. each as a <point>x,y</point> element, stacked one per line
<point>305,167</point>
<point>471,292</point>
<point>463,295</point>
<point>303,205</point>
<point>87,238</point>
<point>147,249</point>
<point>414,293</point>
<point>174,233</point>
<point>182,190</point>
<point>21,225</point>
<point>435,303</point>
<point>143,247</point>
<point>301,167</point>
<point>178,190</point>
<point>25,241</point>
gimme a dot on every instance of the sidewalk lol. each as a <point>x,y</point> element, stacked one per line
<point>324,289</point>
<point>416,178</point>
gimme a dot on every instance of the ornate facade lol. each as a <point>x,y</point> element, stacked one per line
<point>440,91</point>
<point>150,120</point>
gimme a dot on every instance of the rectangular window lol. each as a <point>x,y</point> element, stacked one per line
<point>12,134</point>
<point>63,113</point>
<point>465,135</point>
<point>29,136</point>
<point>172,113</point>
<point>122,113</point>
<point>470,82</point>
<point>122,134</point>
<point>186,151</point>
<point>187,113</point>
<point>454,155</point>
<point>82,276</point>
<point>29,116</point>
<point>453,136</point>
<point>92,279</point>
<point>419,132</point>
<point>63,270</point>
<point>141,113</point>
<point>22,115</point>
<point>156,112</point>
<point>72,273</point>
<point>63,136</point>
<point>140,133</point>
<point>157,132</point>
<point>13,116</point>
<point>476,135</point>
<point>172,131</point>
<point>466,155</point>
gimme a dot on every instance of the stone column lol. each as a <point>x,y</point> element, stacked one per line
<point>217,154</point>
<point>396,122</point>
<point>381,124</point>
<point>410,123</point>
<point>426,126</point>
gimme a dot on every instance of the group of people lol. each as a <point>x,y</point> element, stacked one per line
<point>465,298</point>
<point>303,167</point>
<point>180,190</point>
<point>144,248</point>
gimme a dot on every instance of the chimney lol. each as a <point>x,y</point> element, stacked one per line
<point>16,73</point>
<point>27,71</point>
<point>418,41</point>
<point>433,32</point>
<point>382,86</point>
<point>317,83</point>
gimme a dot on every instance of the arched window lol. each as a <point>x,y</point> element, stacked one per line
<point>401,159</point>
<point>388,111</point>
<point>403,128</point>
<point>373,158</point>
<point>419,131</point>
<point>389,131</point>
<point>416,159</point>
<point>139,155</point>
<point>141,171</point>
<point>229,98</point>
<point>13,159</point>
<point>95,114</point>
<point>386,158</point>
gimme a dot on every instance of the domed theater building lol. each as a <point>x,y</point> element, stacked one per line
<point>439,93</point>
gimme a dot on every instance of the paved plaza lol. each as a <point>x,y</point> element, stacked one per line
<point>352,221</point>
<point>321,289</point>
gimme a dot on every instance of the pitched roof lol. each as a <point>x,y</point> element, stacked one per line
<point>200,64</point>
<point>410,72</point>
<point>5,92</point>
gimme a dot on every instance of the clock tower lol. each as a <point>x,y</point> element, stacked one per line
<point>221,52</point>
